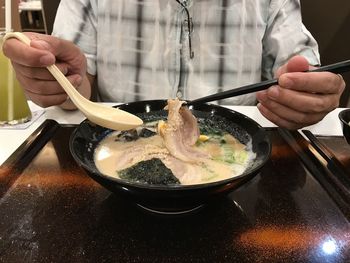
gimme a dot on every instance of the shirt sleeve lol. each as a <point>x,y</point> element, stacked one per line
<point>285,37</point>
<point>76,21</point>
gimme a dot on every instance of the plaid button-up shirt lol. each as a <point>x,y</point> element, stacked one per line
<point>139,48</point>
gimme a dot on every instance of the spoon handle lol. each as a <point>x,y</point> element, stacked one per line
<point>66,85</point>
<point>57,74</point>
<point>337,68</point>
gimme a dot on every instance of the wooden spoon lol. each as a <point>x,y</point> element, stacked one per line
<point>100,114</point>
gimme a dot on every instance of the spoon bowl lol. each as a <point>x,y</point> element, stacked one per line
<point>109,117</point>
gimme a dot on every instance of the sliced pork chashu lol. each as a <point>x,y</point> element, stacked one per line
<point>181,132</point>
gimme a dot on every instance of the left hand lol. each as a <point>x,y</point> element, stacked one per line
<point>301,98</point>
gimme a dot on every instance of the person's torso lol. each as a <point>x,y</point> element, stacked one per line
<point>143,48</point>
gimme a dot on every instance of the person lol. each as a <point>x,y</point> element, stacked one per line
<point>149,49</point>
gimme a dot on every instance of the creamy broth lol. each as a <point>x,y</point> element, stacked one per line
<point>228,157</point>
<point>173,151</point>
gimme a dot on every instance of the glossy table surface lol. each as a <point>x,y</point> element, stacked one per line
<point>52,211</point>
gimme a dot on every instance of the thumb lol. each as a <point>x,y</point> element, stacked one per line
<point>40,44</point>
<point>295,64</point>
<point>23,54</point>
<point>47,59</point>
<point>64,51</point>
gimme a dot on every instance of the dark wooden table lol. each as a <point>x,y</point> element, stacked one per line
<point>51,211</point>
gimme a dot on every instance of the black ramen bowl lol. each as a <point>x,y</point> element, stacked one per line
<point>344,117</point>
<point>173,199</point>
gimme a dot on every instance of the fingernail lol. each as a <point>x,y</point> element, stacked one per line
<point>47,59</point>
<point>285,81</point>
<point>273,92</point>
<point>41,44</point>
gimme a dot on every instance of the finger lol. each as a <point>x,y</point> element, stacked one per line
<point>42,87</point>
<point>312,82</point>
<point>38,73</point>
<point>46,100</point>
<point>301,101</point>
<point>276,119</point>
<point>296,117</point>
<point>47,87</point>
<point>27,55</point>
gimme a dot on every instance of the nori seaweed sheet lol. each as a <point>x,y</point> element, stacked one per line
<point>151,172</point>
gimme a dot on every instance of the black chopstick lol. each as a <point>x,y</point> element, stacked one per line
<point>337,68</point>
<point>333,163</point>
<point>313,154</point>
<point>340,178</point>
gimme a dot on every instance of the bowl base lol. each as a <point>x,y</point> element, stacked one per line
<point>172,212</point>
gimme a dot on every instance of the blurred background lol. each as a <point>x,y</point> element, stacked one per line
<point>328,21</point>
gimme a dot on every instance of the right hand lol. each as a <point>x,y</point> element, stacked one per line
<point>30,64</point>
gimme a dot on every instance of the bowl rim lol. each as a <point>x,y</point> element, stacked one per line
<point>174,187</point>
<point>341,116</point>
